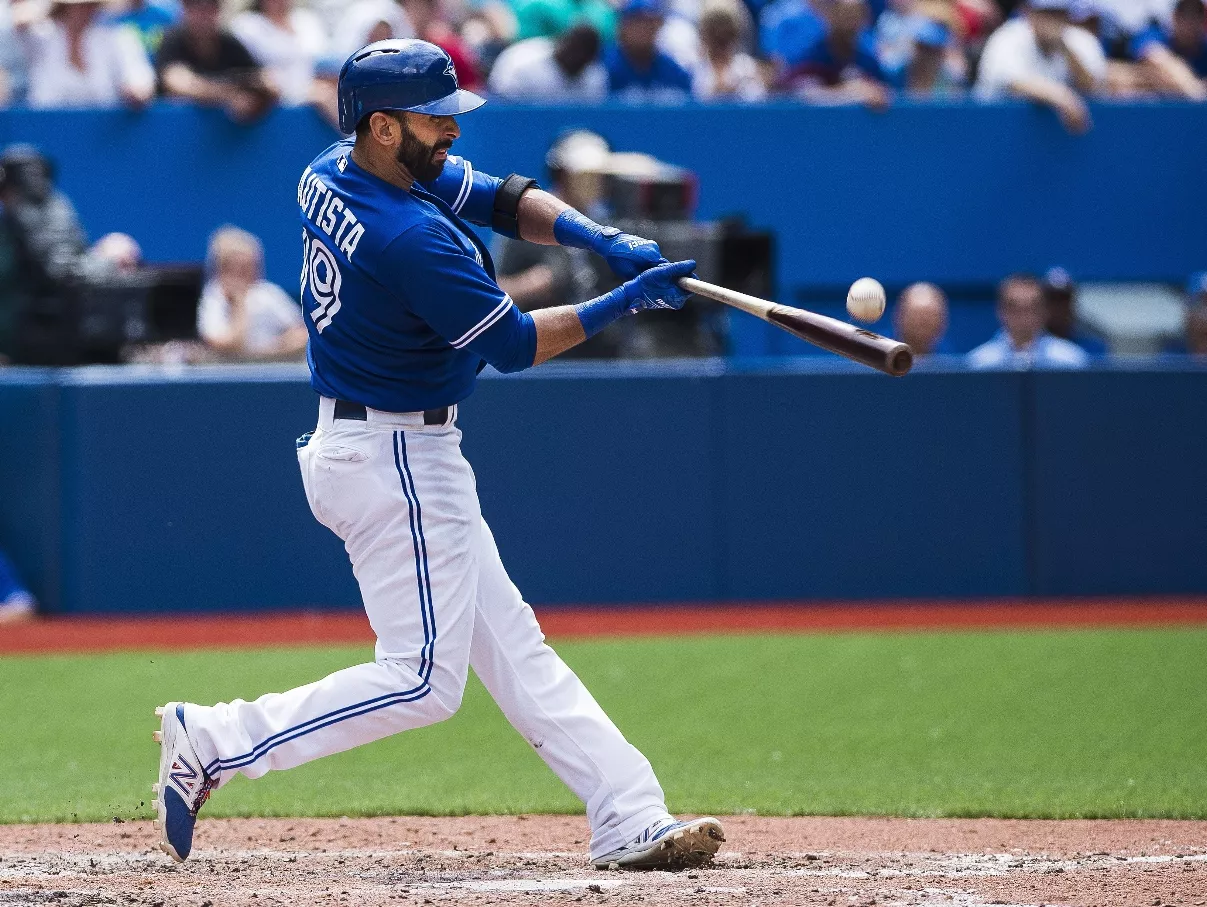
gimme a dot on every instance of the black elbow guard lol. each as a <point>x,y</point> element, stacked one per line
<point>506,217</point>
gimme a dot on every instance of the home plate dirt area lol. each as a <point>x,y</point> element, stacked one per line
<point>541,860</point>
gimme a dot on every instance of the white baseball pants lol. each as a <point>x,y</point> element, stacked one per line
<point>404,501</point>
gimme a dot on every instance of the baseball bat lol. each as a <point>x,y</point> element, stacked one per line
<point>881,353</point>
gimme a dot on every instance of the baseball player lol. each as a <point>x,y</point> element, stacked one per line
<point>403,312</point>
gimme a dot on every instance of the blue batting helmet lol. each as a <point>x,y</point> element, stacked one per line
<point>405,74</point>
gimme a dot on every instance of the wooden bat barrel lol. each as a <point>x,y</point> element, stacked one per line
<point>857,344</point>
<point>882,353</point>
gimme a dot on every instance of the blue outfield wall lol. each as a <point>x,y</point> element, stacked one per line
<point>130,490</point>
<point>958,194</point>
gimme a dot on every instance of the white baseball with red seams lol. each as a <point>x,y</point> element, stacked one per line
<point>404,500</point>
<point>865,299</point>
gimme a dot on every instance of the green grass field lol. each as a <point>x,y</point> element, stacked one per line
<point>1092,723</point>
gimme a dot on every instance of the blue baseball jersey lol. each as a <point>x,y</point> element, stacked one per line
<point>399,293</point>
<point>664,80</point>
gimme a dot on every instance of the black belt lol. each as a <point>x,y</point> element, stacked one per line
<point>357,413</point>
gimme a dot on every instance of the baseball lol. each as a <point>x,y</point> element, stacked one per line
<point>865,299</point>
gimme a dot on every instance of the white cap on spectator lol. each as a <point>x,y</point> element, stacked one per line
<point>581,151</point>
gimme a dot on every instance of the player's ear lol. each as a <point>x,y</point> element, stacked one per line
<point>384,128</point>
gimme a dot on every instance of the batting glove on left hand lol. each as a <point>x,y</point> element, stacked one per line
<point>628,255</point>
<point>658,288</point>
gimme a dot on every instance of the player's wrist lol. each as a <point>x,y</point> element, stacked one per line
<point>596,314</point>
<point>574,229</point>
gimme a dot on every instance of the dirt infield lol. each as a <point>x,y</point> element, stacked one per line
<point>101,634</point>
<point>540,860</point>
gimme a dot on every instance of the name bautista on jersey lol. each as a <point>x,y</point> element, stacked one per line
<point>324,208</point>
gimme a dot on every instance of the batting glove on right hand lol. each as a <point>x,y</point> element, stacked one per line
<point>658,288</point>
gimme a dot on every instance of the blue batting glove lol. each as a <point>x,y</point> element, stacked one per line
<point>628,255</point>
<point>658,288</point>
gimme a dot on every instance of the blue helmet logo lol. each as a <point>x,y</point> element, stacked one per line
<point>406,74</point>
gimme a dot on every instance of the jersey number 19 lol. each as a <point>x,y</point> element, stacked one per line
<point>320,272</point>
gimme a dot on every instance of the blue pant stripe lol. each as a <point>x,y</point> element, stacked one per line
<point>409,696</point>
<point>416,541</point>
<point>427,576</point>
<point>427,613</point>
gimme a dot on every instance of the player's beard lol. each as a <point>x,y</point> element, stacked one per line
<point>420,159</point>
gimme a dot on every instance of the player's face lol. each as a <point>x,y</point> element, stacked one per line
<point>425,142</point>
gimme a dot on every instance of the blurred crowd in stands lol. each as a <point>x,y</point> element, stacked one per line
<point>248,55</point>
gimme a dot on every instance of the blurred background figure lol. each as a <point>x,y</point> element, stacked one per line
<point>1175,57</point>
<point>1196,330</point>
<point>541,69</point>
<point>538,277</point>
<point>934,66</point>
<point>201,61</point>
<point>73,58</point>
<point>1194,339</point>
<point>551,18</point>
<point>150,21</point>
<point>287,41</point>
<point>837,63</point>
<point>241,315</point>
<point>725,71</point>
<point>365,22</point>
<point>1040,56</point>
<point>45,261</point>
<point>431,22</point>
<point>637,69</point>
<point>1023,341</point>
<point>16,602</point>
<point>1060,297</point>
<point>920,318</point>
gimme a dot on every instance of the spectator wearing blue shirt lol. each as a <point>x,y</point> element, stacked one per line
<point>16,602</point>
<point>1177,57</point>
<point>149,20</point>
<point>637,69</point>
<point>1060,297</point>
<point>787,29</point>
<point>839,65</point>
<point>1022,342</point>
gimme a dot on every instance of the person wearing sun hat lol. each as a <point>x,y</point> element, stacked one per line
<point>56,38</point>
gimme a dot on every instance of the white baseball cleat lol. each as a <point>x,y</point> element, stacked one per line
<point>183,786</point>
<point>668,844</point>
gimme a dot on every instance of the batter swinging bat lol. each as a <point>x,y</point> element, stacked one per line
<point>882,353</point>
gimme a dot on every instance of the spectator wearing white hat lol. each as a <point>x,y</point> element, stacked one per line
<point>537,276</point>
<point>541,69</point>
<point>1040,56</point>
<point>74,59</point>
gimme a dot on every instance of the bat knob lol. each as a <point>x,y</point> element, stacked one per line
<point>901,361</point>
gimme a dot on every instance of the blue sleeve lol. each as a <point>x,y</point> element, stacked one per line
<point>867,59</point>
<point>1137,46</point>
<point>470,193</point>
<point>454,295</point>
<point>680,77</point>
